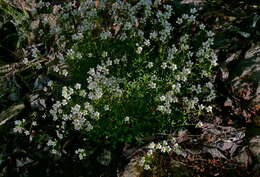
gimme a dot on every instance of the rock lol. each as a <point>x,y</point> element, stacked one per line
<point>132,169</point>
<point>245,80</point>
<point>179,169</point>
<point>254,147</point>
<point>105,157</point>
<point>247,74</point>
<point>176,169</point>
<point>37,103</point>
<point>244,157</point>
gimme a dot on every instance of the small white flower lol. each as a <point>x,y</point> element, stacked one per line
<point>106,107</point>
<point>201,106</point>
<point>163,149</point>
<point>34,123</point>
<point>38,66</point>
<point>159,146</point>
<point>150,152</point>
<point>151,145</point>
<point>147,167</point>
<point>25,61</point>
<point>82,93</point>
<point>179,21</point>
<point>51,143</point>
<point>152,85</point>
<point>162,98</point>
<point>210,34</point>
<point>77,86</point>
<point>202,26</point>
<point>90,55</point>
<point>150,65</point>
<point>56,69</point>
<point>193,10</point>
<point>65,72</point>
<point>142,161</point>
<point>199,125</point>
<point>139,50</point>
<point>126,119</point>
<point>173,67</point>
<point>147,42</point>
<point>27,133</point>
<point>209,109</point>
<point>50,84</point>
<point>164,65</point>
<point>104,54</point>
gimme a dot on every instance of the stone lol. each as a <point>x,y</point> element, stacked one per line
<point>244,157</point>
<point>254,147</point>
<point>132,168</point>
<point>179,169</point>
<point>245,80</point>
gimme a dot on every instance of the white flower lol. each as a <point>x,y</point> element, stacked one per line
<point>126,119</point>
<point>209,109</point>
<point>56,69</point>
<point>150,65</point>
<point>163,149</point>
<point>65,72</point>
<point>104,54</point>
<point>153,35</point>
<point>147,42</point>
<point>164,65</point>
<point>199,125</point>
<point>202,26</point>
<point>51,143</point>
<point>106,107</point>
<point>179,21</point>
<point>25,61</point>
<point>209,85</point>
<point>152,85</point>
<point>27,133</point>
<point>139,50</point>
<point>147,167</point>
<point>173,67</point>
<point>142,161</point>
<point>150,152</point>
<point>34,123</point>
<point>82,93</point>
<point>96,115</point>
<point>151,145</point>
<point>18,129</point>
<point>90,55</point>
<point>77,86</point>
<point>50,84</point>
<point>38,66</point>
<point>210,34</point>
<point>193,10</point>
<point>81,153</point>
<point>159,146</point>
<point>165,143</point>
<point>162,98</point>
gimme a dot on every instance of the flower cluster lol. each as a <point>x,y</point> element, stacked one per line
<point>162,147</point>
<point>128,69</point>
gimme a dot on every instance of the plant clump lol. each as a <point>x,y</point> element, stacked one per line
<point>126,71</point>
